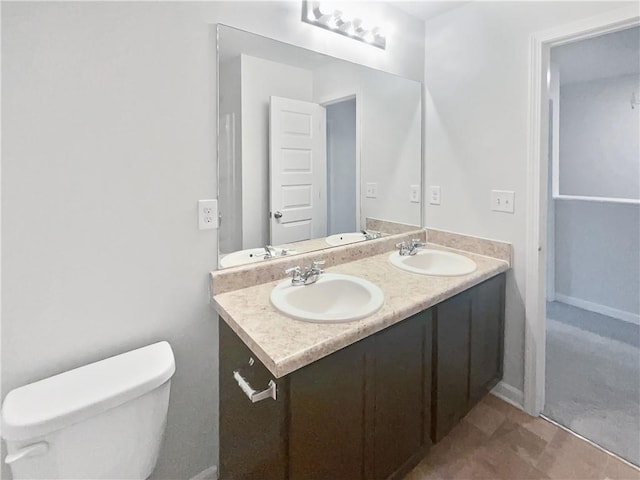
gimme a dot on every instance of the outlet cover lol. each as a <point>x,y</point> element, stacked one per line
<point>434,195</point>
<point>207,214</point>
<point>371,190</point>
<point>414,193</point>
<point>502,201</point>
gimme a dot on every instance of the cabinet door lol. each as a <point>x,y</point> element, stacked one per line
<point>487,336</point>
<point>402,392</point>
<point>451,363</point>
<point>327,426</point>
<point>252,435</point>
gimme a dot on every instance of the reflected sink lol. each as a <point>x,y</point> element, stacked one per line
<point>334,298</point>
<point>345,238</point>
<point>434,262</point>
<point>250,255</point>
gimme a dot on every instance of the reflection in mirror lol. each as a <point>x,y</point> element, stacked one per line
<point>313,151</point>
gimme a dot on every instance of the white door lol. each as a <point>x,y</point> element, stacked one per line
<point>297,170</point>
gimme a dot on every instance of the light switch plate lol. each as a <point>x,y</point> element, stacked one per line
<point>371,190</point>
<point>502,201</point>
<point>207,214</point>
<point>434,195</point>
<point>414,193</point>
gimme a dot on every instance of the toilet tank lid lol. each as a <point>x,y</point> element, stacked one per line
<point>56,402</point>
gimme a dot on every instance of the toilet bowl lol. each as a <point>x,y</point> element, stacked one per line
<point>104,420</point>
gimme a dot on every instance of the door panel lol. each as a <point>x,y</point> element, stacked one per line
<point>297,170</point>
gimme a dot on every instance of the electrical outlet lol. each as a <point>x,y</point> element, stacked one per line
<point>414,193</point>
<point>502,201</point>
<point>207,214</point>
<point>434,195</point>
<point>371,190</point>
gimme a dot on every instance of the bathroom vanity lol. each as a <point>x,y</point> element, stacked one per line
<point>358,400</point>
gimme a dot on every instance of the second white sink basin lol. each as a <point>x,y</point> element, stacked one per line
<point>250,255</point>
<point>434,262</point>
<point>334,298</point>
<point>345,238</point>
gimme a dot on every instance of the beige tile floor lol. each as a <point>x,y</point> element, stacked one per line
<point>498,441</point>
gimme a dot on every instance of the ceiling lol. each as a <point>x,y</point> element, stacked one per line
<point>426,9</point>
<point>605,56</point>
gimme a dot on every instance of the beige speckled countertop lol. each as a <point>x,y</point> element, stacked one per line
<point>284,345</point>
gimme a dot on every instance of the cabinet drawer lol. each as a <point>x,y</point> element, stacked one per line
<point>252,435</point>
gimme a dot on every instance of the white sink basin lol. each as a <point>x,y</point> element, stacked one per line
<point>434,262</point>
<point>250,255</point>
<point>334,298</point>
<point>344,238</point>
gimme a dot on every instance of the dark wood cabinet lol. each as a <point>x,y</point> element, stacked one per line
<point>327,417</point>
<point>452,329</point>
<point>487,337</point>
<point>402,393</point>
<point>253,436</point>
<point>370,410</point>
<point>468,351</point>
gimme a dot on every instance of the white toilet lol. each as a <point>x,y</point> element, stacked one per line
<point>104,420</point>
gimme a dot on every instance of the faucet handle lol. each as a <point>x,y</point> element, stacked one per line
<point>403,247</point>
<point>416,242</point>
<point>315,267</point>
<point>295,270</point>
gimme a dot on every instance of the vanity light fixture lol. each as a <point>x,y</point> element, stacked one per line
<point>323,14</point>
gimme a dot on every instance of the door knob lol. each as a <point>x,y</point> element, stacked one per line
<point>278,214</point>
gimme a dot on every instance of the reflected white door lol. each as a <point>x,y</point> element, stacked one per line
<point>297,170</point>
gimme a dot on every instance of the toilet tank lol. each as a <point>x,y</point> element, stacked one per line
<point>104,420</point>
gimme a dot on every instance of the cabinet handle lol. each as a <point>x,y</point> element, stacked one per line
<point>253,395</point>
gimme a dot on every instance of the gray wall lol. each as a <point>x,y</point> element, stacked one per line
<point>108,142</point>
<point>598,253</point>
<point>599,139</point>
<point>341,167</point>
<point>597,245</point>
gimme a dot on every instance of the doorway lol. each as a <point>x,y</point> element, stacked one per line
<point>342,175</point>
<point>540,251</point>
<point>592,379</point>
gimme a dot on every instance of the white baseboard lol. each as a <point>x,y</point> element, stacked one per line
<point>509,394</point>
<point>597,308</point>
<point>210,473</point>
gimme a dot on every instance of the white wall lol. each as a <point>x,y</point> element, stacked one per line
<point>391,130</point>
<point>476,80</point>
<point>108,142</point>
<point>230,156</point>
<point>599,140</point>
<point>261,79</point>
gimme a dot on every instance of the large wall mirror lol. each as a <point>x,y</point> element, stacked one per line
<point>313,151</point>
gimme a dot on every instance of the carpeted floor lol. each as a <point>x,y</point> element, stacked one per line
<point>593,378</point>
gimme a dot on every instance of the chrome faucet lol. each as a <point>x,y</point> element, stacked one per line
<point>308,276</point>
<point>371,234</point>
<point>409,248</point>
<point>270,252</point>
